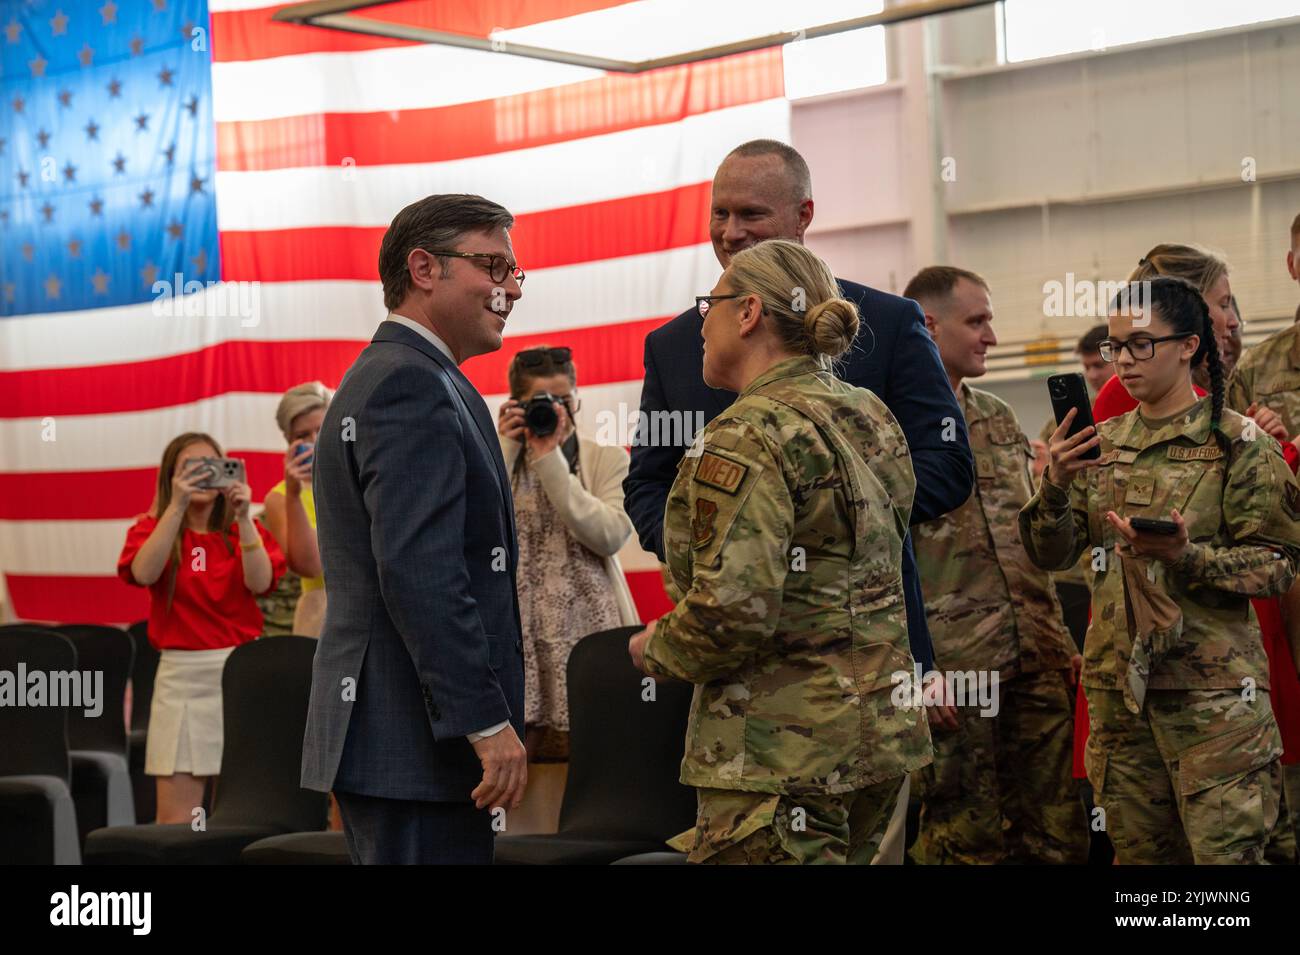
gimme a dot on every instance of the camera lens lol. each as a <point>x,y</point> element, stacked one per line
<point>540,416</point>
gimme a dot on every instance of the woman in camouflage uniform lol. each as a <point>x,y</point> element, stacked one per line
<point>783,535</point>
<point>1183,748</point>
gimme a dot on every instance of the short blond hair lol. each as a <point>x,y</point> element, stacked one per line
<point>298,400</point>
<point>800,294</point>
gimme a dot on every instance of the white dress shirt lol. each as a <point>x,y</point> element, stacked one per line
<point>439,344</point>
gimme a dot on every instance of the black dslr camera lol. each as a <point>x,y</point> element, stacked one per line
<point>540,415</point>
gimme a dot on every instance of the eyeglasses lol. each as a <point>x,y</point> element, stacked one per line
<point>1140,348</point>
<point>498,267</point>
<point>705,302</point>
<point>536,357</point>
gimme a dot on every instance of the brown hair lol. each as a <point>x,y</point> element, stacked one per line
<point>1090,342</point>
<point>937,282</point>
<point>434,222</point>
<point>218,520</point>
<point>1199,266</point>
<point>1295,229</point>
<point>518,376</point>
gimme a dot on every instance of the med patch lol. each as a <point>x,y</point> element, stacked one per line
<point>719,472</point>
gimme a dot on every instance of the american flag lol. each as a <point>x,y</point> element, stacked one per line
<point>152,146</point>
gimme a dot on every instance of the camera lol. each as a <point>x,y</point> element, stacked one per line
<point>540,415</point>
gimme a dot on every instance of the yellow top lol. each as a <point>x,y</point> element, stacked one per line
<point>308,505</point>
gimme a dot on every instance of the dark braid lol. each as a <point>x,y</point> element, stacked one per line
<point>1214,363</point>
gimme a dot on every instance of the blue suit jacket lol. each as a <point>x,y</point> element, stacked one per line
<point>893,356</point>
<point>417,542</point>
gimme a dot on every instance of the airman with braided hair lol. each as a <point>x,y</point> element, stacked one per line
<point>1183,746</point>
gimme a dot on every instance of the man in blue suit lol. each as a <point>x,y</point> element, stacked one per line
<point>763,190</point>
<point>417,694</point>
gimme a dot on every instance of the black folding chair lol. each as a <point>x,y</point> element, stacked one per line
<point>265,690</point>
<point>101,775</point>
<point>38,820</point>
<point>622,797</point>
<point>142,676</point>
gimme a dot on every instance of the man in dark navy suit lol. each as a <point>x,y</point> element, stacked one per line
<point>417,696</point>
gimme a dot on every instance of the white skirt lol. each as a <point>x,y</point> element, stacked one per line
<point>185,729</point>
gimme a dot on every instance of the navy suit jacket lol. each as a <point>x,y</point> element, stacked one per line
<point>893,356</point>
<point>421,643</point>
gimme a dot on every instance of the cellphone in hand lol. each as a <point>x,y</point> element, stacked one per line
<point>1151,525</point>
<point>1071,391</point>
<point>219,472</point>
<point>300,448</point>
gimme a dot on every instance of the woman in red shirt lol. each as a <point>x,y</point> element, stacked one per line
<point>203,560</point>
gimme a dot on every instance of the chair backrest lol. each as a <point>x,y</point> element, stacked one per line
<point>265,690</point>
<point>142,674</point>
<point>625,752</point>
<point>34,739</point>
<point>105,654</point>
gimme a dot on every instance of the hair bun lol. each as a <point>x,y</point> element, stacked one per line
<point>831,326</point>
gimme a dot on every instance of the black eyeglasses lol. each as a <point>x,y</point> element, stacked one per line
<point>1140,348</point>
<point>704,302</point>
<point>536,357</point>
<point>498,268</point>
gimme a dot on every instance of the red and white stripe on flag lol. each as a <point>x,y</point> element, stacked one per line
<point>322,137</point>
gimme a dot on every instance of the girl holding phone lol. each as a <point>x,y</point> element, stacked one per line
<point>203,559</point>
<point>1183,747</point>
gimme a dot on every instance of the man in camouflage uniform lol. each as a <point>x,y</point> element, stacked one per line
<point>1268,376</point>
<point>1269,373</point>
<point>1183,749</point>
<point>783,535</point>
<point>1001,787</point>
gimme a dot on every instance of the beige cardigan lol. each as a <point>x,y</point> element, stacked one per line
<point>593,513</point>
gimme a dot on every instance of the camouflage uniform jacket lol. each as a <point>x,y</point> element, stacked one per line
<point>783,536</point>
<point>988,606</point>
<point>1242,509</point>
<point>1270,374</point>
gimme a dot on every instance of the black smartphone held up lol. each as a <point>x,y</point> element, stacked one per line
<point>1071,391</point>
<point>1151,525</point>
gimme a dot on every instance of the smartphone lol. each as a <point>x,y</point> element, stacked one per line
<point>300,448</point>
<point>1151,525</point>
<point>1071,391</point>
<point>219,472</point>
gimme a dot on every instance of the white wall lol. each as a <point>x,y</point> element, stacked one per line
<point>1075,164</point>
